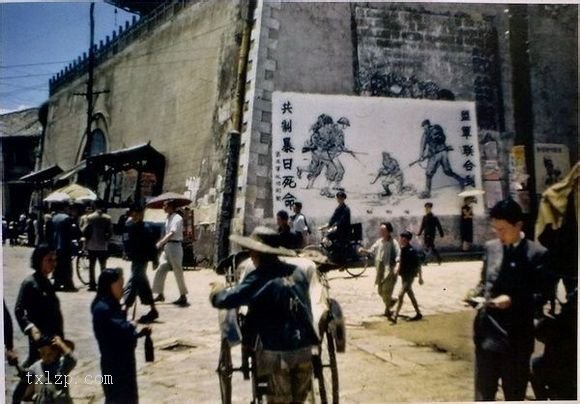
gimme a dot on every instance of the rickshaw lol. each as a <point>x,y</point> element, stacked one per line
<point>342,256</point>
<point>329,323</point>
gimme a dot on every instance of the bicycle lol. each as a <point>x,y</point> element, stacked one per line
<point>80,261</point>
<point>344,257</point>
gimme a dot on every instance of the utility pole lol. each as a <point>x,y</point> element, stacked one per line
<point>90,93</point>
<point>523,107</point>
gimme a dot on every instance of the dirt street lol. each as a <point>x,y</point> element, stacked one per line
<point>410,361</point>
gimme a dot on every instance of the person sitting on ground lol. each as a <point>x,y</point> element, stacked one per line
<point>409,267</point>
<point>49,376</point>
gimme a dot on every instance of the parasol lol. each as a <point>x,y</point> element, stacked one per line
<point>57,197</point>
<point>76,192</point>
<point>178,200</point>
<point>471,192</point>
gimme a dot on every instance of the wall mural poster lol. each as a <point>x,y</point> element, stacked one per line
<point>389,155</point>
<point>552,164</point>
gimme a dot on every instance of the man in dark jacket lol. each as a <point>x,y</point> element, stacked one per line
<point>409,267</point>
<point>61,242</point>
<point>429,225</point>
<point>511,284</point>
<point>139,243</point>
<point>339,228</point>
<point>279,320</point>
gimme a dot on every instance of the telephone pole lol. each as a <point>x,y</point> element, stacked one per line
<point>90,93</point>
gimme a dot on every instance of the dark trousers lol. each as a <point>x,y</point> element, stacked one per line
<point>512,368</point>
<point>101,256</point>
<point>429,243</point>
<point>138,285</point>
<point>63,272</point>
<point>407,289</point>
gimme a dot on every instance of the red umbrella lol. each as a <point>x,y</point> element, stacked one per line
<point>178,200</point>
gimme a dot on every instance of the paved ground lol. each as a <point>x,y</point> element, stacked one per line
<point>378,366</point>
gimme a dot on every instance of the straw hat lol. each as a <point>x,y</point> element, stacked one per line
<point>263,240</point>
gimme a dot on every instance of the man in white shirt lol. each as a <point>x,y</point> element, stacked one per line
<point>298,223</point>
<point>172,256</point>
<point>387,253</point>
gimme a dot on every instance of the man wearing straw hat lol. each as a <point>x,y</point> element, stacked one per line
<point>279,320</point>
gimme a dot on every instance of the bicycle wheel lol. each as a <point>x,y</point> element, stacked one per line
<point>328,374</point>
<point>225,370</point>
<point>82,268</point>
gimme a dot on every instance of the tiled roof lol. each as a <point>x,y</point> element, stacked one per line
<point>20,123</point>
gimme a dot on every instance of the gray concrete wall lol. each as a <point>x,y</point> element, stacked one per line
<point>319,48</point>
<point>173,83</point>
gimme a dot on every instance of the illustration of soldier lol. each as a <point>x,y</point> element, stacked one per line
<point>435,151</point>
<point>391,175</point>
<point>326,144</point>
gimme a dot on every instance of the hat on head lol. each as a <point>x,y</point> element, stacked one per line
<point>263,240</point>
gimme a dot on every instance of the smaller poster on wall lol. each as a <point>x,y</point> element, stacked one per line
<point>552,163</point>
<point>493,193</point>
<point>519,178</point>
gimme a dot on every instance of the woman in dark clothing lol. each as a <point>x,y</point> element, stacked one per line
<point>37,307</point>
<point>466,224</point>
<point>117,339</point>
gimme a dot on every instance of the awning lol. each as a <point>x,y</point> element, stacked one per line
<point>69,173</point>
<point>42,175</point>
<point>135,155</point>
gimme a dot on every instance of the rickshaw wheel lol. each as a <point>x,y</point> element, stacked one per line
<point>361,266</point>
<point>328,374</point>
<point>225,370</point>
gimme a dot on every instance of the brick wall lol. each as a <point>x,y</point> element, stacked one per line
<point>553,50</point>
<point>416,53</point>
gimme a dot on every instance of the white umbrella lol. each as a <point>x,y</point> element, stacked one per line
<point>471,192</point>
<point>57,197</point>
<point>78,192</point>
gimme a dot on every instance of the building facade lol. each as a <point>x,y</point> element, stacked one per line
<point>187,74</point>
<point>20,134</point>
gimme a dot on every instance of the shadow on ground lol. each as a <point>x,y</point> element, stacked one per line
<point>448,333</point>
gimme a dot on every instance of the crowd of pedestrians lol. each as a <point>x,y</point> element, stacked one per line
<point>515,283</point>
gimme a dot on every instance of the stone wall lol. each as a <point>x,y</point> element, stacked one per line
<point>334,48</point>
<point>553,50</point>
